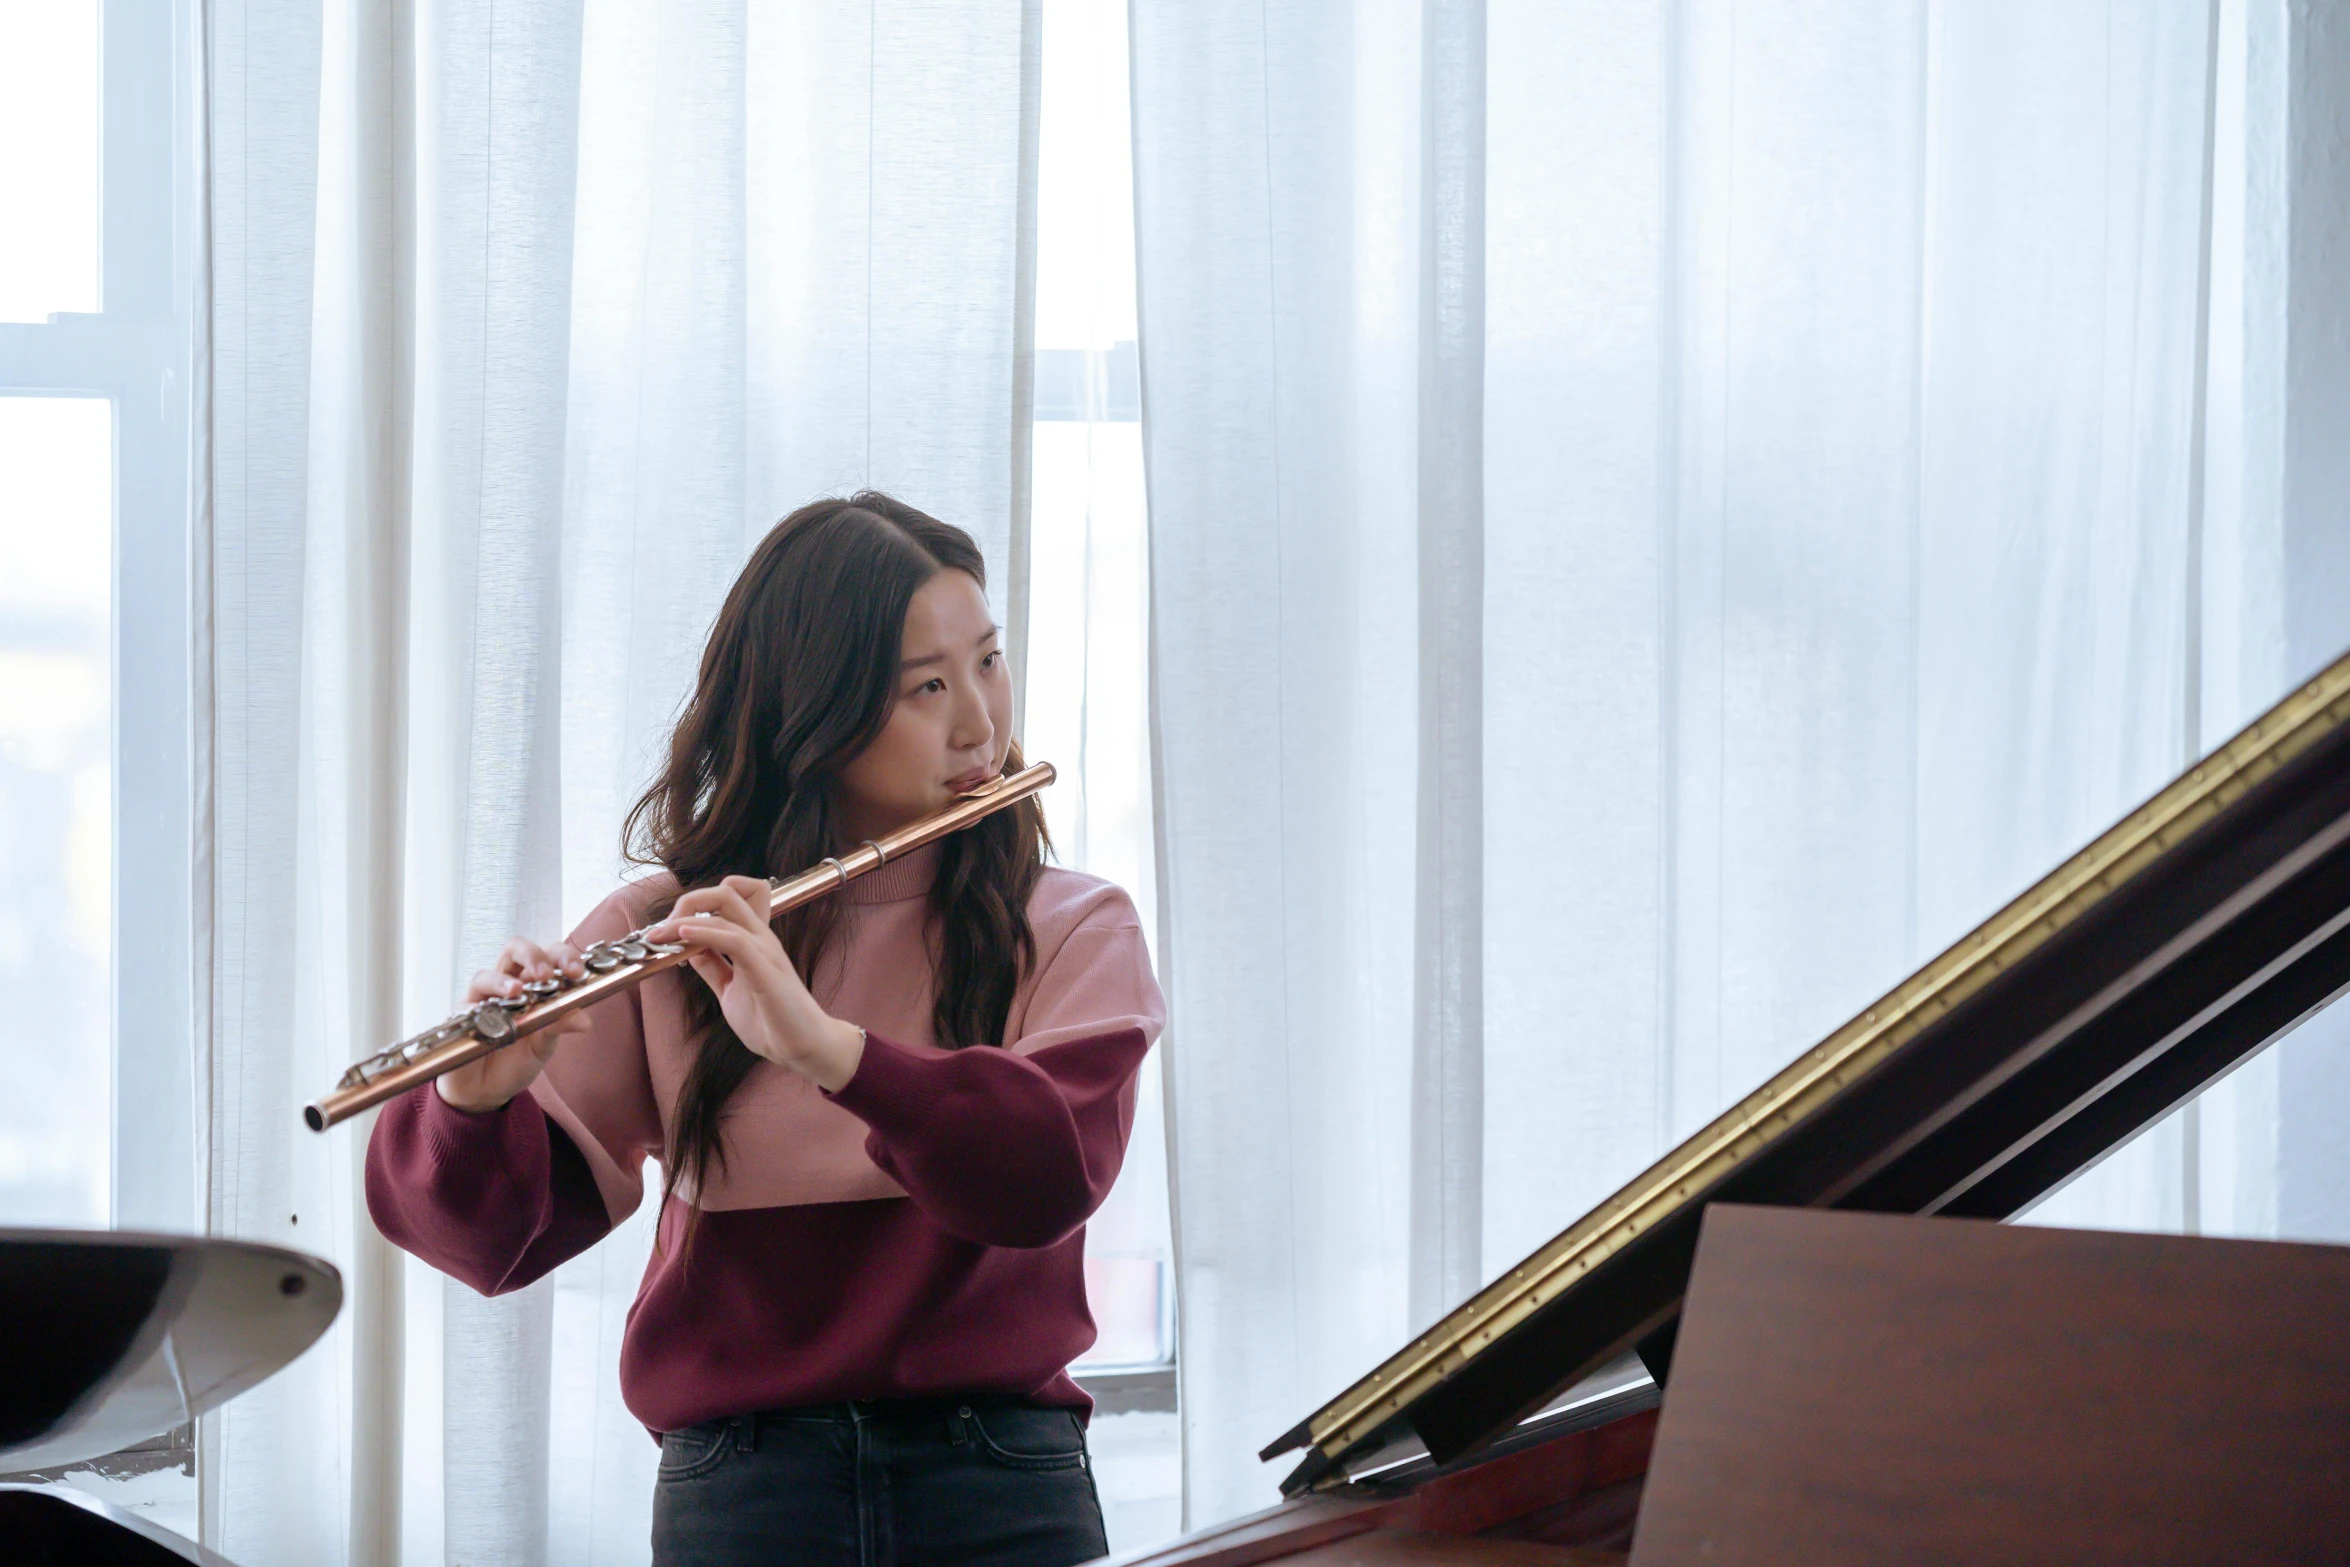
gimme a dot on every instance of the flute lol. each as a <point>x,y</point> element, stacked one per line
<point>616,965</point>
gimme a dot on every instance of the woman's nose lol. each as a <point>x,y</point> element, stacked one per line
<point>974,730</point>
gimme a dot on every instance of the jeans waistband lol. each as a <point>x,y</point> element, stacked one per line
<point>849,1411</point>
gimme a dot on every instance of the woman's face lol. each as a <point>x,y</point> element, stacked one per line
<point>952,721</point>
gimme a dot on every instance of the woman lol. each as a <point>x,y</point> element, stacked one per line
<point>882,1121</point>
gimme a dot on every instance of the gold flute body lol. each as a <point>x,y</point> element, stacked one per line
<point>614,966</point>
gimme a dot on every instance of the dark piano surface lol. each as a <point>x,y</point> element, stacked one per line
<point>2197,930</point>
<point>108,1338</point>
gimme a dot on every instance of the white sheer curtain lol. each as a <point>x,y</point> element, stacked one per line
<point>526,318</point>
<point>1663,515</point>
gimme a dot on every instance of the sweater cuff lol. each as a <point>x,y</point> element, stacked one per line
<point>894,1089</point>
<point>513,1135</point>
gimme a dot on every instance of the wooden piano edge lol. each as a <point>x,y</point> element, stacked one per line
<point>1566,1500</point>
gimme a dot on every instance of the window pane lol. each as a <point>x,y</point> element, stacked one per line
<point>1086,678</point>
<point>1084,180</point>
<point>1124,1294</point>
<point>48,157</point>
<point>56,809</point>
<point>1087,714</point>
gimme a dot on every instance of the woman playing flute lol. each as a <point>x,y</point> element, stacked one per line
<point>881,1122</point>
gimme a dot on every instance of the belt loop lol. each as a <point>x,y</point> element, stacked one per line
<point>746,1434</point>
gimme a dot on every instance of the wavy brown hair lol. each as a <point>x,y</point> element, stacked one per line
<point>799,676</point>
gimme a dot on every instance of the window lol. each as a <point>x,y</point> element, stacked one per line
<point>95,1088</point>
<point>1087,694</point>
<point>56,840</point>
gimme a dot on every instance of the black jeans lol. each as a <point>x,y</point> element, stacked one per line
<point>992,1482</point>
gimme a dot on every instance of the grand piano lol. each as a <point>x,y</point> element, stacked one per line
<point>1794,1337</point>
<point>109,1338</point>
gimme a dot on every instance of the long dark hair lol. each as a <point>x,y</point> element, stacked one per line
<point>799,676</point>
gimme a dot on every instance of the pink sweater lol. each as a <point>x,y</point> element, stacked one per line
<point>919,1233</point>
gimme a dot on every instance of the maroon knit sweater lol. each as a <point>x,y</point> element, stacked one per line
<point>919,1233</point>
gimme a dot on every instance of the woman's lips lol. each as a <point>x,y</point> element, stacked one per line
<point>969,781</point>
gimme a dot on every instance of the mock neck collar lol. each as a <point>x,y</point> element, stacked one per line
<point>907,876</point>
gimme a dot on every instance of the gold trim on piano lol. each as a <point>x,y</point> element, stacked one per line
<point>1820,1074</point>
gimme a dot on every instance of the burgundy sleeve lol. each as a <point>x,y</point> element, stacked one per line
<point>498,1199</point>
<point>1018,1147</point>
<point>493,1200</point>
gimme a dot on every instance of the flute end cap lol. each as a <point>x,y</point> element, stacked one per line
<point>314,1117</point>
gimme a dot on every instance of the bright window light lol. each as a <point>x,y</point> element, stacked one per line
<point>48,157</point>
<point>56,809</point>
<point>1087,676</point>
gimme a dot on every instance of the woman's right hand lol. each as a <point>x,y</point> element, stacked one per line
<point>488,1083</point>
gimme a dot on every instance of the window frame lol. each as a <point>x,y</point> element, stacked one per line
<point>134,352</point>
<point>1104,386</point>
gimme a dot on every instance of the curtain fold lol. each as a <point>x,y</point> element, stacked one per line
<point>527,317</point>
<point>278,1488</point>
<point>1448,1064</point>
<point>1798,556</point>
<point>1277,199</point>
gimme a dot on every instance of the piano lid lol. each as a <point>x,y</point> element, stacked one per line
<point>2203,925</point>
<point>107,1338</point>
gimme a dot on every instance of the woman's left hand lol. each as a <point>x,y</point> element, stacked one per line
<point>734,949</point>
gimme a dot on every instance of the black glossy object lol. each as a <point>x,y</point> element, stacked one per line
<point>64,1529</point>
<point>108,1339</point>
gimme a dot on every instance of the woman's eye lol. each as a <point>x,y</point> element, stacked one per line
<point>934,685</point>
<point>989,661</point>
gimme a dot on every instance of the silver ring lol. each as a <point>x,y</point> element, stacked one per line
<point>838,869</point>
<point>880,854</point>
